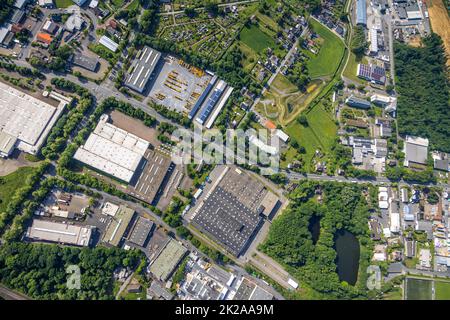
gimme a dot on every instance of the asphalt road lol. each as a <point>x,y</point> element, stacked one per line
<point>9,294</point>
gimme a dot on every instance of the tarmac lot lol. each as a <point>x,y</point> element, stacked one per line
<point>135,127</point>
<point>16,161</point>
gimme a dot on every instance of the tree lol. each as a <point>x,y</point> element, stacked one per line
<point>303,120</point>
<point>190,12</point>
<point>212,8</point>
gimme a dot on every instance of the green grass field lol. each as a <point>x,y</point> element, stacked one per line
<point>10,183</point>
<point>327,61</point>
<point>283,84</point>
<point>117,3</point>
<point>256,39</point>
<point>442,290</point>
<point>352,65</point>
<point>319,134</point>
<point>63,3</point>
<point>418,289</point>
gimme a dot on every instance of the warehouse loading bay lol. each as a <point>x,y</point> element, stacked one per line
<point>177,85</point>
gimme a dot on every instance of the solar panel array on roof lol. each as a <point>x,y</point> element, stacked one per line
<point>372,73</point>
<point>217,93</point>
<point>364,71</point>
<point>378,74</point>
<point>202,98</point>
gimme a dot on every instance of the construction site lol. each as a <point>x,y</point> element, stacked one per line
<point>178,85</point>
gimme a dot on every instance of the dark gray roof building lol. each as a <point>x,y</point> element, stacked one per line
<point>231,212</point>
<point>85,62</point>
<point>141,230</point>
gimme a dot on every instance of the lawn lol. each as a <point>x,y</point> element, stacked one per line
<point>63,3</point>
<point>10,183</point>
<point>283,84</point>
<point>319,134</point>
<point>351,68</point>
<point>418,289</point>
<point>327,60</point>
<point>256,39</point>
<point>323,125</point>
<point>442,290</point>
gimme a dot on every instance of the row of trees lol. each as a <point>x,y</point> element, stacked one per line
<point>290,241</point>
<point>171,114</point>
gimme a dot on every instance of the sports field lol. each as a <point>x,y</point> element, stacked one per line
<point>440,23</point>
<point>256,39</point>
<point>327,60</point>
<point>418,289</point>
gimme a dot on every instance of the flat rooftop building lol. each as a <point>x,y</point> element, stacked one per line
<point>416,150</point>
<point>231,212</point>
<point>142,69</point>
<point>356,102</point>
<point>85,62</point>
<point>118,225</point>
<point>167,260</point>
<point>141,231</point>
<point>249,290</point>
<point>361,14</point>
<point>148,184</point>
<point>25,118</point>
<point>108,43</point>
<point>7,144</point>
<point>48,231</point>
<point>113,151</point>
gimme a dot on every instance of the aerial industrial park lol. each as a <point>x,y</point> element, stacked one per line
<point>354,93</point>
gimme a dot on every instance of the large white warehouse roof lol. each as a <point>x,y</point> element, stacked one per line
<point>26,118</point>
<point>112,150</point>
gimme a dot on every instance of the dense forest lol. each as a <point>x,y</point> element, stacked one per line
<point>39,270</point>
<point>5,9</point>
<point>343,207</point>
<point>423,88</point>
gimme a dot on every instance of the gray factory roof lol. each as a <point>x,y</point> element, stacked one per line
<point>148,183</point>
<point>143,67</point>
<point>85,62</point>
<point>141,230</point>
<point>7,143</point>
